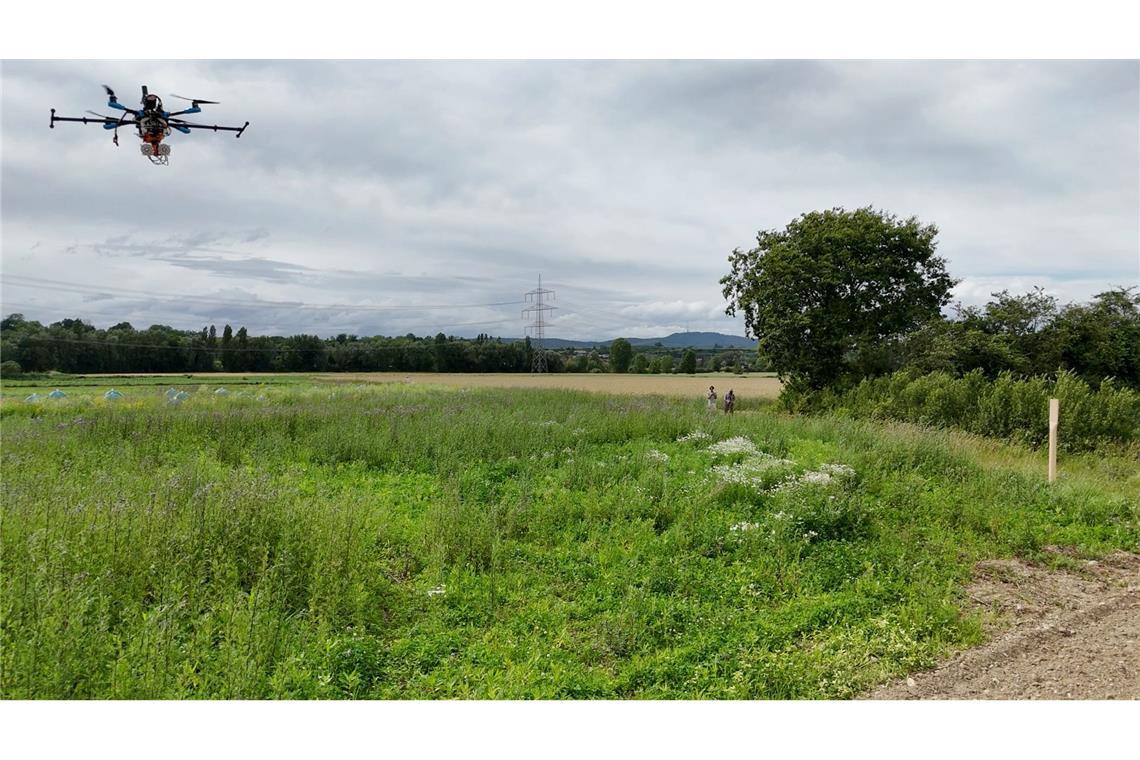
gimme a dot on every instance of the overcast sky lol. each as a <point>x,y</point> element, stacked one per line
<point>394,197</point>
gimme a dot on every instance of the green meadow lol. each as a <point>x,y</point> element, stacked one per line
<point>312,540</point>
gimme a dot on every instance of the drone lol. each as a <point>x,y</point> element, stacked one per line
<point>153,122</point>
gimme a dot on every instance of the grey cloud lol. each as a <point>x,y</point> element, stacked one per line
<point>247,268</point>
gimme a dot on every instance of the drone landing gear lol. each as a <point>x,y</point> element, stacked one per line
<point>159,155</point>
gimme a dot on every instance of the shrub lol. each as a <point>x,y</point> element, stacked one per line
<point>1008,407</point>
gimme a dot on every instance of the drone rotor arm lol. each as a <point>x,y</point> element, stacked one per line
<point>106,121</point>
<point>215,127</point>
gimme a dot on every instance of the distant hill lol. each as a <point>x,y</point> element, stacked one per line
<point>676,340</point>
<point>697,340</point>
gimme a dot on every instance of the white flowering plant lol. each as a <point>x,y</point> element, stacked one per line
<point>736,445</point>
<point>757,473</point>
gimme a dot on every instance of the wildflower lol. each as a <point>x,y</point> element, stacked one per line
<point>742,526</point>
<point>820,477</point>
<point>657,456</point>
<point>840,470</point>
<point>438,590</point>
<point>696,435</point>
<point>815,477</point>
<point>737,445</point>
<point>749,472</point>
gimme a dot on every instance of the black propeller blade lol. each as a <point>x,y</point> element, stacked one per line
<point>103,116</point>
<point>195,101</point>
<point>110,92</point>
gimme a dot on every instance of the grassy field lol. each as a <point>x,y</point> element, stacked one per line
<point>405,540</point>
<point>92,385</point>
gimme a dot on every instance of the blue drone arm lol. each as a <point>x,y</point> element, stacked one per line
<point>192,109</point>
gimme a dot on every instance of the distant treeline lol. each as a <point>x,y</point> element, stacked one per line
<point>1025,335</point>
<point>77,347</point>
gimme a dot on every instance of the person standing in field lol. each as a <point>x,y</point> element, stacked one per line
<point>711,396</point>
<point>730,402</point>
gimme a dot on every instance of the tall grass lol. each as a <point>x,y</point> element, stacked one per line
<point>409,542</point>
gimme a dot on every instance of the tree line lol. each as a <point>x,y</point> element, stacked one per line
<point>75,346</point>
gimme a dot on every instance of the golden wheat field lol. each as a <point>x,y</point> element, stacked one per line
<point>752,386</point>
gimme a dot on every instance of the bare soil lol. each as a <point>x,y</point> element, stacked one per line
<point>1058,634</point>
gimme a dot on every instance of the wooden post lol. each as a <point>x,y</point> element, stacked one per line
<point>1054,416</point>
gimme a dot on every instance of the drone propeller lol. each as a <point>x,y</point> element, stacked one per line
<point>110,92</point>
<point>195,101</point>
<point>103,116</point>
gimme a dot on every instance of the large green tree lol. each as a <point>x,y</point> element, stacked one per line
<point>621,354</point>
<point>689,361</point>
<point>828,293</point>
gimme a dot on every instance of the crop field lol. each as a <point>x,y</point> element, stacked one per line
<point>411,540</point>
<point>749,387</point>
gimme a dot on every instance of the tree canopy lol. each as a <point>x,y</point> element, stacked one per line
<point>828,293</point>
<point>689,362</point>
<point>621,354</point>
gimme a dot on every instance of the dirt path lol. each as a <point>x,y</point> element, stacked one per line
<point>1063,635</point>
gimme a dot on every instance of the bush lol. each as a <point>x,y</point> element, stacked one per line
<point>1008,407</point>
<point>10,369</point>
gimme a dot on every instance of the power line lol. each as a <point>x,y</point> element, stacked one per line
<point>75,287</point>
